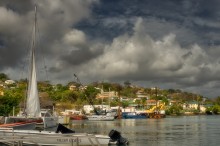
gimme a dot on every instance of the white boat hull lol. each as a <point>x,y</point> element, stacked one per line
<point>100,118</point>
<point>33,137</point>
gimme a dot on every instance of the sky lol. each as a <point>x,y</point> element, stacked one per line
<point>172,44</point>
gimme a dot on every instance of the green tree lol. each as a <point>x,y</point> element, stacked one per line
<point>3,77</point>
<point>105,86</point>
<point>217,100</point>
<point>174,109</point>
<point>91,92</point>
<point>125,104</point>
<point>129,92</point>
<point>44,86</point>
<point>10,99</point>
<point>216,109</point>
<point>127,84</point>
<point>69,95</point>
<point>117,87</point>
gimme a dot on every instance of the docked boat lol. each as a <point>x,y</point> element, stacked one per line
<point>61,137</point>
<point>33,112</point>
<point>133,115</point>
<point>20,125</point>
<point>101,118</point>
<point>44,120</point>
<point>108,116</point>
<point>73,115</point>
<point>78,117</point>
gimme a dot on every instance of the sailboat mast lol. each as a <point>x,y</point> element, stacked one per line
<point>33,104</point>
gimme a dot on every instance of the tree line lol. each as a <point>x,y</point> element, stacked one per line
<point>59,95</point>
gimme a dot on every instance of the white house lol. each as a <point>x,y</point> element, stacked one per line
<point>89,108</point>
<point>9,82</point>
<point>194,106</point>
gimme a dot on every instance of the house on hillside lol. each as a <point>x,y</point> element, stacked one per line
<point>72,87</point>
<point>193,105</point>
<point>1,92</point>
<point>151,102</point>
<point>141,94</point>
<point>105,95</point>
<point>174,102</point>
<point>2,84</point>
<point>9,82</point>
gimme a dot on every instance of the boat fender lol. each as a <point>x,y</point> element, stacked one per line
<point>117,138</point>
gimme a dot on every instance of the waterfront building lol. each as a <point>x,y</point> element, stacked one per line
<point>194,106</point>
<point>90,108</point>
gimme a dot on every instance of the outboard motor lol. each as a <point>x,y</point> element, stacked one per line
<point>116,138</point>
<point>62,129</point>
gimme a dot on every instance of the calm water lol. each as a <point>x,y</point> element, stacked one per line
<point>170,131</point>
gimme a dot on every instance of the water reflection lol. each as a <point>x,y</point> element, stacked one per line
<point>171,131</point>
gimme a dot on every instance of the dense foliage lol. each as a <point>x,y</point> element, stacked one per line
<point>64,98</point>
<point>9,100</point>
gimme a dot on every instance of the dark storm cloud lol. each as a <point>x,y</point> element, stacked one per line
<point>79,56</point>
<point>185,14</point>
<point>55,19</point>
<point>171,44</point>
<point>20,7</point>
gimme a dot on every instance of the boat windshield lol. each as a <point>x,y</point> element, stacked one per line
<point>45,114</point>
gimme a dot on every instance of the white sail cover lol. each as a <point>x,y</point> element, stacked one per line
<point>33,104</point>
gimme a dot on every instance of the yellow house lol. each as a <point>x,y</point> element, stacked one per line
<point>1,92</point>
<point>72,87</point>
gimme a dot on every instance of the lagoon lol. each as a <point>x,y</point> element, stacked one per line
<point>199,130</point>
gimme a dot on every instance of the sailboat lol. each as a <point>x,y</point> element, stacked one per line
<point>99,117</point>
<point>62,136</point>
<point>33,112</point>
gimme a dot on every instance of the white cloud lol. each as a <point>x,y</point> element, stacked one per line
<point>164,47</point>
<point>140,57</point>
<point>75,37</point>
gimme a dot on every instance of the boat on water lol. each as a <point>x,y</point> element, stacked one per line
<point>74,115</point>
<point>78,117</point>
<point>103,116</point>
<point>33,112</point>
<point>61,137</point>
<point>133,115</point>
<point>44,120</point>
<point>20,125</point>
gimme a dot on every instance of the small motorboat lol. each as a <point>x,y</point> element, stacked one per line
<point>62,136</point>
